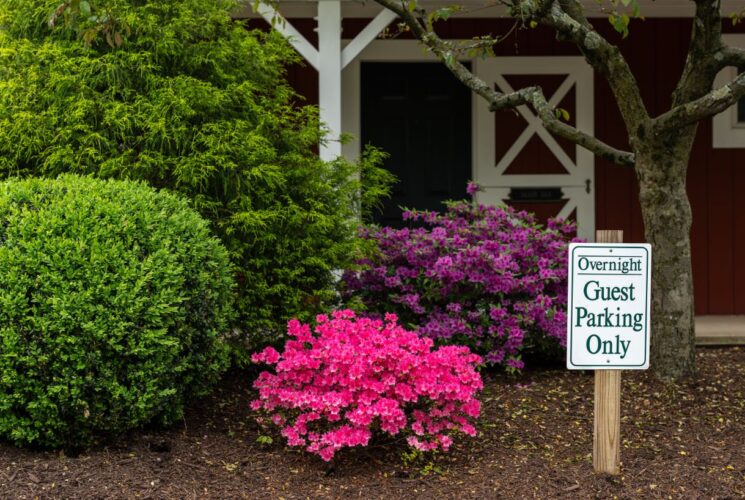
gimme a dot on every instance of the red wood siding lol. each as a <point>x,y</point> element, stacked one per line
<point>656,52</point>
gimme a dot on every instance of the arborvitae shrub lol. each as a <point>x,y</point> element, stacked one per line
<point>113,299</point>
<point>192,101</point>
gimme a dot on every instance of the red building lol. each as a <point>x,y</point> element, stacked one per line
<point>391,93</point>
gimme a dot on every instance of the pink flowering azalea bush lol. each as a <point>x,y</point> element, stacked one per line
<point>488,277</point>
<point>339,384</point>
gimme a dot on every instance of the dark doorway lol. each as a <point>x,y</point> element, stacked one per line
<point>420,114</point>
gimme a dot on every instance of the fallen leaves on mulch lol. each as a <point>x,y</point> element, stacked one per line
<point>535,441</point>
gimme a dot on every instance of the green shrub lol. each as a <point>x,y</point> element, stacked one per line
<point>192,101</point>
<point>113,297</point>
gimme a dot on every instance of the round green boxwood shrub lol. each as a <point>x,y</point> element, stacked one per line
<point>113,299</point>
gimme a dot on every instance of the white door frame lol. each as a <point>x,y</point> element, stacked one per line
<point>483,168</point>
<point>351,87</point>
<point>578,184</point>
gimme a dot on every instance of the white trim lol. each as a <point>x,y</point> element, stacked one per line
<point>329,76</point>
<point>329,60</point>
<point>381,51</point>
<point>727,132</point>
<point>366,36</point>
<point>483,171</point>
<point>535,126</point>
<point>720,330</point>
<point>490,171</point>
<point>296,39</point>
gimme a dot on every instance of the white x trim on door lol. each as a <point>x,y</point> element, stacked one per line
<point>535,126</point>
<point>578,183</point>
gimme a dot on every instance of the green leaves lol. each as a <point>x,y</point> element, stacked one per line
<point>737,17</point>
<point>375,182</point>
<point>85,8</point>
<point>194,103</point>
<point>620,14</point>
<point>444,13</point>
<point>113,301</point>
<point>90,22</point>
<point>562,114</point>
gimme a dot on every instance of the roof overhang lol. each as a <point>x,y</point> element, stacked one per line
<point>482,8</point>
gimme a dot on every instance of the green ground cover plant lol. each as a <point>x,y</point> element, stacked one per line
<point>176,93</point>
<point>113,301</point>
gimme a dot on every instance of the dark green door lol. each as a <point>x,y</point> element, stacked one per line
<point>420,114</point>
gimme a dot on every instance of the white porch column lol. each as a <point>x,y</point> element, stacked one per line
<point>329,75</point>
<point>328,59</point>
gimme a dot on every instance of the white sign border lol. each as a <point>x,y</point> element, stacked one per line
<point>647,323</point>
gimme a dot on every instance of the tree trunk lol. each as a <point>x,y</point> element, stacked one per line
<point>661,169</point>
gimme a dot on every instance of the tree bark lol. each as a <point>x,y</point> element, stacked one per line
<point>661,165</point>
<point>661,146</point>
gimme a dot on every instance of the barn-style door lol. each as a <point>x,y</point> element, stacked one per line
<point>517,160</point>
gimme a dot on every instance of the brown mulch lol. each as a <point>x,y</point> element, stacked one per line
<point>685,441</point>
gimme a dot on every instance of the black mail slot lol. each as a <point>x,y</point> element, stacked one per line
<point>536,194</point>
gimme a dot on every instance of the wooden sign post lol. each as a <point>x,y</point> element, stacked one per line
<point>608,328</point>
<point>606,444</point>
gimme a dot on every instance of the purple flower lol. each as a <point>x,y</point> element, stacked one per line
<point>488,277</point>
<point>472,188</point>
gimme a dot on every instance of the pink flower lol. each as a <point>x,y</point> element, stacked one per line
<point>350,376</point>
<point>269,356</point>
<point>468,429</point>
<point>445,441</point>
<point>391,318</point>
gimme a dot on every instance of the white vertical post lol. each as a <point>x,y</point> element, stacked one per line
<point>329,74</point>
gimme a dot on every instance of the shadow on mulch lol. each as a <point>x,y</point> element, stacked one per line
<point>535,441</point>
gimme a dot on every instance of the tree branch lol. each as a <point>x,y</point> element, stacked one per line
<point>576,11</point>
<point>701,65</point>
<point>535,98</point>
<point>729,56</point>
<point>531,9</point>
<point>532,96</point>
<point>606,58</point>
<point>442,49</point>
<point>708,105</point>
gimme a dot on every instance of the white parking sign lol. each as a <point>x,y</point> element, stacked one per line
<point>608,306</point>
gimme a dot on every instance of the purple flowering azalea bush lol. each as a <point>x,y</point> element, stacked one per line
<point>491,278</point>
